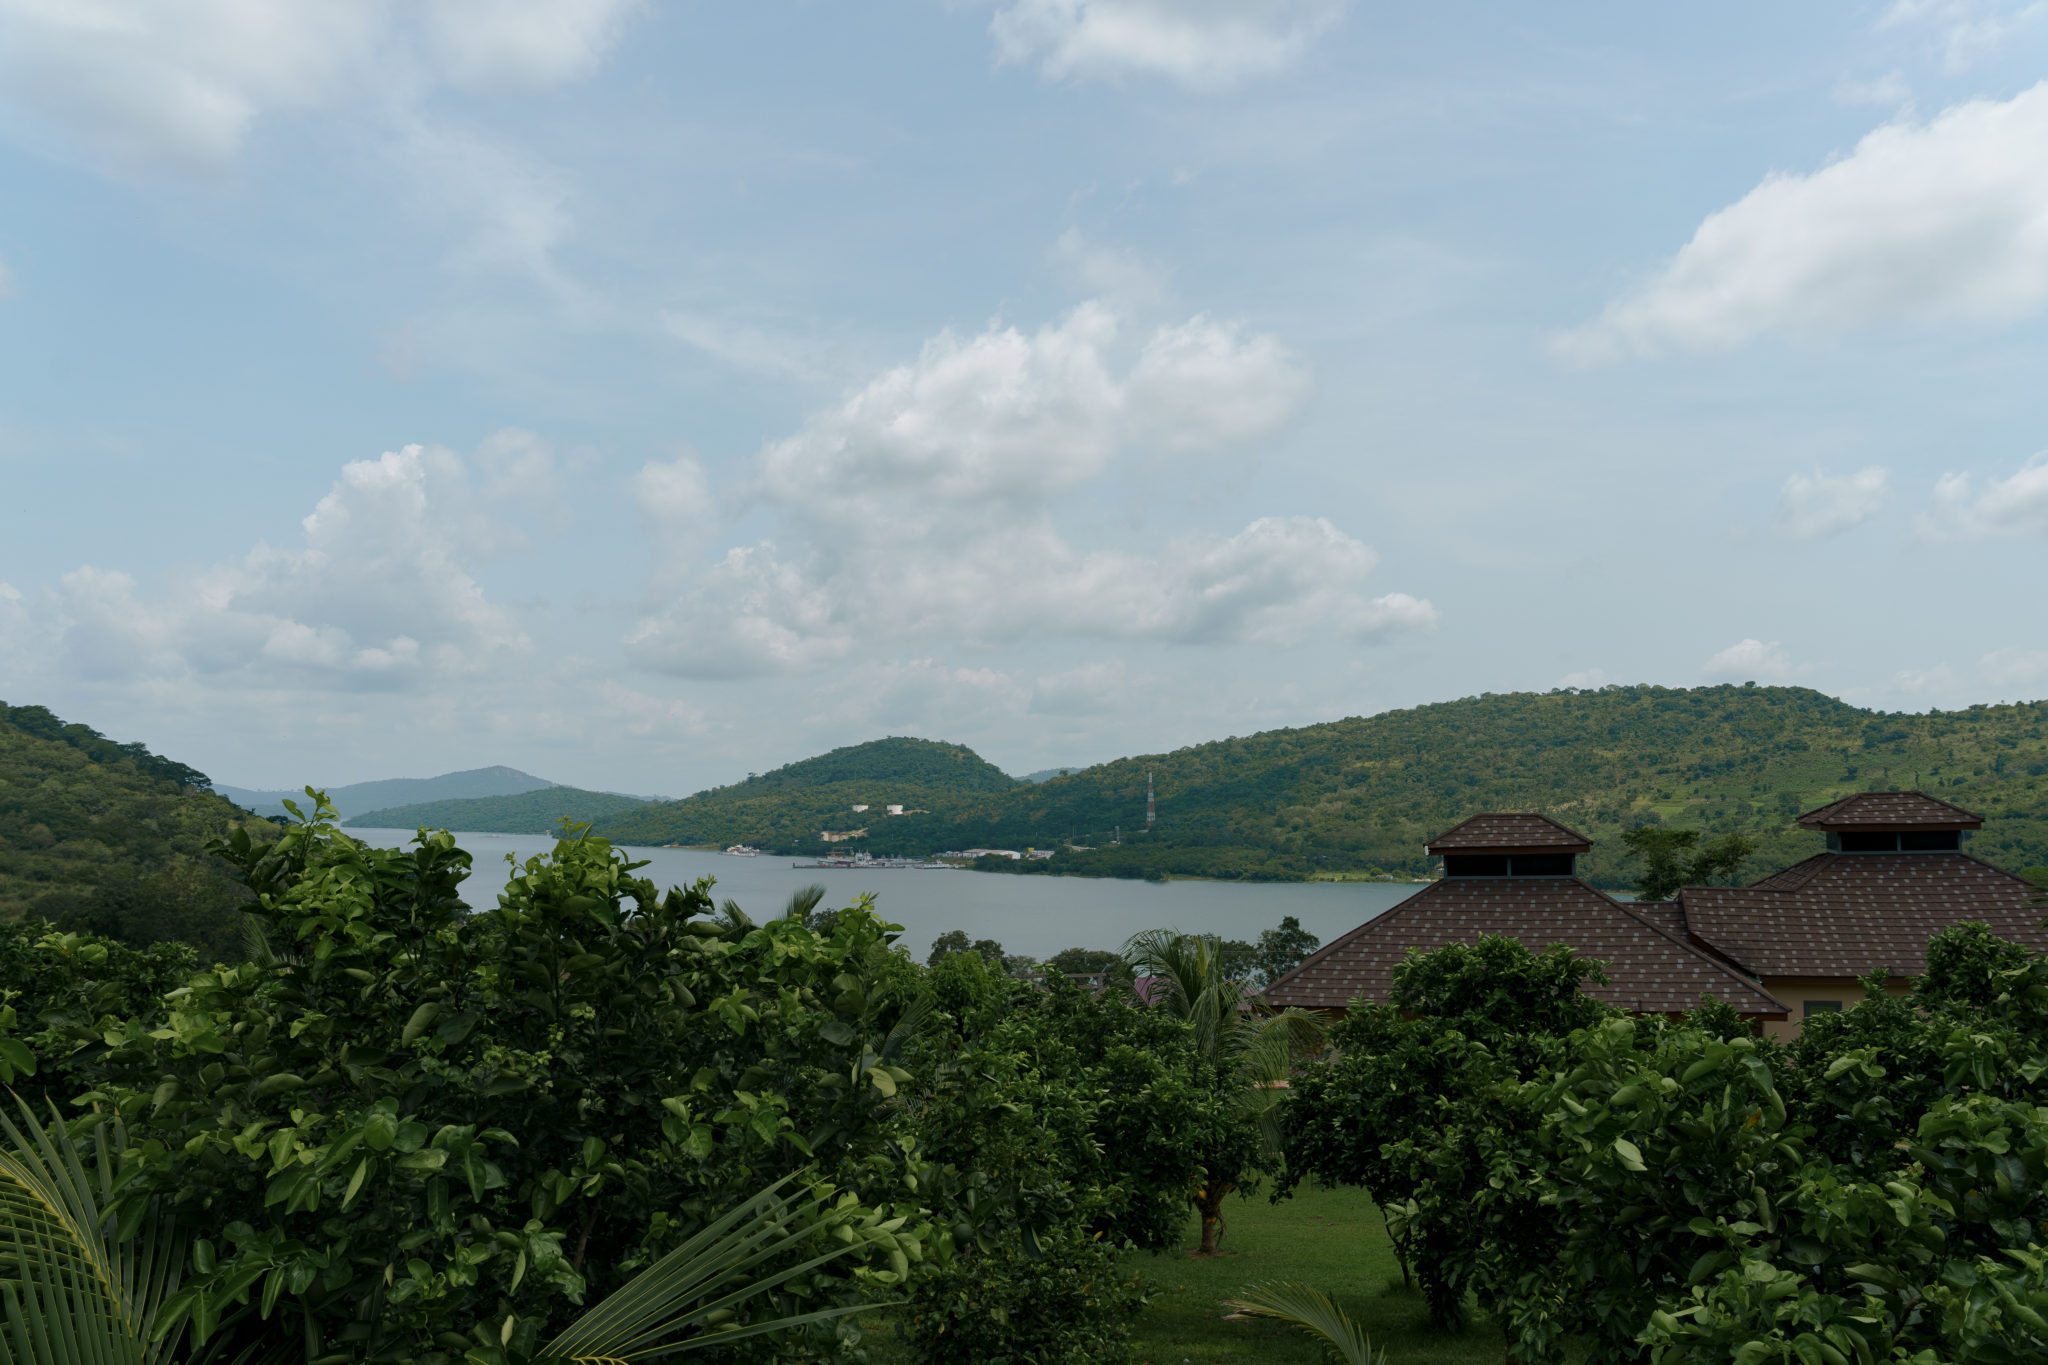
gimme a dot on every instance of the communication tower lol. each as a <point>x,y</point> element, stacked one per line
<point>1151,809</point>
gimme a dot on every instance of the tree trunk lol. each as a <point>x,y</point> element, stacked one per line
<point>1210,1202</point>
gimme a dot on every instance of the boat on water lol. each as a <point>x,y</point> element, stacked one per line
<point>742,851</point>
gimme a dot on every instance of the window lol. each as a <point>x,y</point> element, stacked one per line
<point>1475,864</point>
<point>1813,1007</point>
<point>1931,841</point>
<point>1542,865</point>
<point>1859,841</point>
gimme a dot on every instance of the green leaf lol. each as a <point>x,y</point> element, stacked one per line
<point>1631,1156</point>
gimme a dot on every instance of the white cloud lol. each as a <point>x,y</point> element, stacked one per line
<point>380,594</point>
<point>1968,30</point>
<point>181,84</point>
<point>486,44</point>
<point>1939,680</point>
<point>1003,415</point>
<point>1203,44</point>
<point>2013,506</point>
<point>1118,276</point>
<point>1274,582</point>
<point>1817,504</point>
<point>1749,660</point>
<point>921,509</point>
<point>2011,667</point>
<point>673,494</point>
<point>1922,223</point>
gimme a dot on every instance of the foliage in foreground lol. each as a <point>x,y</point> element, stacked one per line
<point>403,1130</point>
<point>1683,1193</point>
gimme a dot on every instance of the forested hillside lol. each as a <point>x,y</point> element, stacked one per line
<point>789,808</point>
<point>109,836</point>
<point>1363,794</point>
<point>535,812</point>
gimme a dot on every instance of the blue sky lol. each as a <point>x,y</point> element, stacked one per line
<point>644,394</point>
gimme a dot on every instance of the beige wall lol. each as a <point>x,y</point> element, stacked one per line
<point>1795,991</point>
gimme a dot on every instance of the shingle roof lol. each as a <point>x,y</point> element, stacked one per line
<point>1843,914</point>
<point>1891,810</point>
<point>1501,832</point>
<point>1652,970</point>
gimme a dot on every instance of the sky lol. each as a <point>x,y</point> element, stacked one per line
<point>645,394</point>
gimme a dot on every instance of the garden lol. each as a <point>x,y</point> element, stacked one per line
<point>599,1120</point>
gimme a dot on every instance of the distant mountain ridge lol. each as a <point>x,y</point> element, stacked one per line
<point>533,812</point>
<point>358,797</point>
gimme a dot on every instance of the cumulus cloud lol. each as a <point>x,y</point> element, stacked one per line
<point>1202,44</point>
<point>1273,582</point>
<point>921,507</point>
<point>1814,505</point>
<point>1748,660</point>
<point>1010,416</point>
<point>2013,506</point>
<point>2014,667</point>
<point>379,593</point>
<point>183,83</point>
<point>1966,30</point>
<point>1940,222</point>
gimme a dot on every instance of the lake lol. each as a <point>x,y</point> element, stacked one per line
<point>1036,915</point>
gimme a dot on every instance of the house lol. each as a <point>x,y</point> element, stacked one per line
<point>840,836</point>
<point>896,809</point>
<point>1516,876</point>
<point>1892,873</point>
<point>861,807</point>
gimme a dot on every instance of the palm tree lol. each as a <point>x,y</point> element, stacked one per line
<point>74,1291</point>
<point>1343,1341</point>
<point>1251,1046</point>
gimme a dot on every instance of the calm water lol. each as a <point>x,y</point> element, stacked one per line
<point>1035,915</point>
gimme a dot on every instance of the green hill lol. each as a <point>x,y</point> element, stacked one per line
<point>1361,795</point>
<point>788,809</point>
<point>107,836</point>
<point>534,812</point>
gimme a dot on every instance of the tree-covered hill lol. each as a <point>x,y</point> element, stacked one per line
<point>109,836</point>
<point>788,809</point>
<point>534,812</point>
<point>1363,794</point>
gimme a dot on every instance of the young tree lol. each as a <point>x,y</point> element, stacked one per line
<point>1281,950</point>
<point>1249,1054</point>
<point>1673,858</point>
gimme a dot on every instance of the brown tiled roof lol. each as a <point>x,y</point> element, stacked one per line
<point>1652,971</point>
<point>1843,914</point>
<point>1500,832</point>
<point>1891,810</point>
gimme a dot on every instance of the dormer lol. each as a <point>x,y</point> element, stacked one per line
<point>1499,844</point>
<point>1892,822</point>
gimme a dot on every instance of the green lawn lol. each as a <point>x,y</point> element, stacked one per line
<point>1331,1239</point>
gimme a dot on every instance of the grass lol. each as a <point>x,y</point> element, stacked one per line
<point>1330,1239</point>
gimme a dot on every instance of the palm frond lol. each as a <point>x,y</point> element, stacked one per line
<point>685,1301</point>
<point>802,901</point>
<point>1313,1312</point>
<point>74,1291</point>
